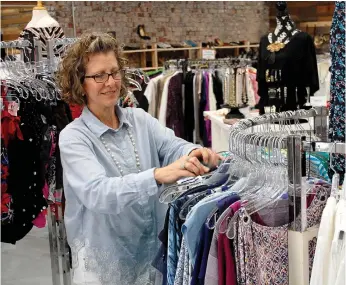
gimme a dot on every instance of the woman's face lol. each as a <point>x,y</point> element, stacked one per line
<point>104,90</point>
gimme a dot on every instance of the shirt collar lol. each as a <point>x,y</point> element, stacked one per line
<point>99,128</point>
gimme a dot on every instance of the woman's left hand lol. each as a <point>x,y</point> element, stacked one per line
<point>209,158</point>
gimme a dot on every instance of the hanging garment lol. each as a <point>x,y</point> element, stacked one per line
<point>198,273</point>
<point>151,93</point>
<point>76,111</point>
<point>239,83</point>
<point>226,86</point>
<point>189,107</point>
<point>162,91</point>
<point>258,265</point>
<point>182,275</point>
<point>202,107</point>
<point>6,198</point>
<point>225,260</point>
<point>251,86</point>
<point>207,123</point>
<point>233,87</point>
<point>217,89</point>
<point>163,102</point>
<point>196,99</point>
<point>294,67</point>
<point>26,177</point>
<point>319,275</point>
<point>336,272</point>
<point>337,87</point>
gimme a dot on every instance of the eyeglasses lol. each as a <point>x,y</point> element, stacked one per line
<point>103,77</point>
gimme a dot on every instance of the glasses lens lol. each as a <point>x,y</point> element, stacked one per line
<point>101,78</point>
<point>116,75</point>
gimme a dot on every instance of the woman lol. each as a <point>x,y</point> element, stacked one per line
<point>114,161</point>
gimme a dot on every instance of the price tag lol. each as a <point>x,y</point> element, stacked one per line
<point>208,53</point>
<point>13,108</point>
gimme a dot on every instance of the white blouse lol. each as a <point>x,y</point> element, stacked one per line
<point>319,275</point>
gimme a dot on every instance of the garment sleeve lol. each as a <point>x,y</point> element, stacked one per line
<point>311,69</point>
<point>89,182</point>
<point>170,148</point>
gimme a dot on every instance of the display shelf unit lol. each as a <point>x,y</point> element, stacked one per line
<point>193,52</point>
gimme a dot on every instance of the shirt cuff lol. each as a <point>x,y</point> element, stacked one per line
<point>192,148</point>
<point>146,184</point>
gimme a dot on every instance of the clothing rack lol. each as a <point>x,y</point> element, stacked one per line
<point>15,44</point>
<point>297,146</point>
<point>59,251</point>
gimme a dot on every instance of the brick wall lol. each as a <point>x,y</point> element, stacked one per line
<point>172,22</point>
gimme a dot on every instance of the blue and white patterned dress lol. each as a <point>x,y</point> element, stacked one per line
<point>337,88</point>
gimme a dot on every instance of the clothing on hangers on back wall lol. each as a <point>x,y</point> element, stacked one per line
<point>204,90</point>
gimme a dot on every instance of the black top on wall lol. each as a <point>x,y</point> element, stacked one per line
<point>283,82</point>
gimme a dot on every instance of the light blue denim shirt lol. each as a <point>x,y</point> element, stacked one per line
<point>116,218</point>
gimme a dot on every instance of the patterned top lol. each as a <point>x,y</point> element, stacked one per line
<point>261,252</point>
<point>337,87</point>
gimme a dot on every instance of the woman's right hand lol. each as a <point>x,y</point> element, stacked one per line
<point>183,167</point>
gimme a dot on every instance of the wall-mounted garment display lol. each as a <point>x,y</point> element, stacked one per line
<point>337,87</point>
<point>286,66</point>
<point>283,83</point>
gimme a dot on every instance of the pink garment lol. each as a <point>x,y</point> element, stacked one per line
<point>45,190</point>
<point>226,265</point>
<point>254,84</point>
<point>40,220</point>
<point>207,108</point>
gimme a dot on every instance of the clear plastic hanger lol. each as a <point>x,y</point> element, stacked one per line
<point>174,192</point>
<point>263,200</point>
<point>336,176</point>
<point>222,221</point>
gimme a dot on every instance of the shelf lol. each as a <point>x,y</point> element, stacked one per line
<point>154,50</point>
<point>316,24</point>
<point>186,48</point>
<point>234,47</point>
<point>177,49</point>
<point>138,50</point>
<point>160,49</point>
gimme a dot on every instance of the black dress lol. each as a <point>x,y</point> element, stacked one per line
<point>28,164</point>
<point>293,67</point>
<point>25,180</point>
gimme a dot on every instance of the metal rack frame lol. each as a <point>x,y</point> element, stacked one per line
<point>297,146</point>
<point>59,251</point>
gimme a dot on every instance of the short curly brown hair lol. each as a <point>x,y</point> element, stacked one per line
<point>71,70</point>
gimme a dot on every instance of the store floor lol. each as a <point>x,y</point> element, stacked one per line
<point>28,262</point>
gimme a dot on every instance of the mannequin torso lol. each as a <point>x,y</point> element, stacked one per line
<point>42,27</point>
<point>287,65</point>
<point>41,19</point>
